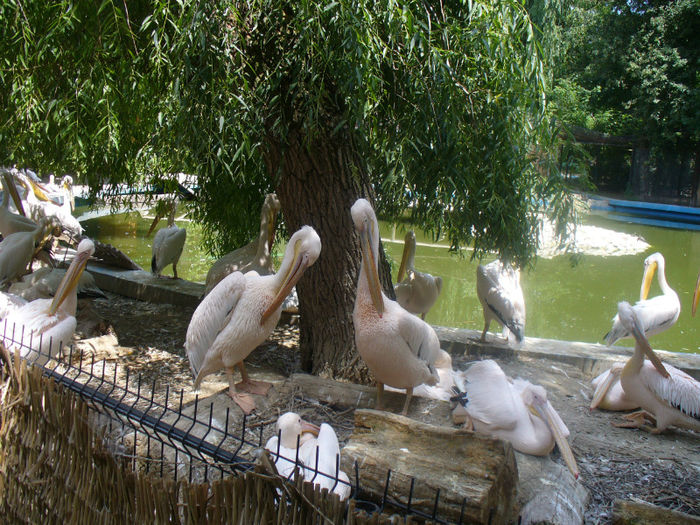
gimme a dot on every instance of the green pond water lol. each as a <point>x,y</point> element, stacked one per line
<point>563,302</point>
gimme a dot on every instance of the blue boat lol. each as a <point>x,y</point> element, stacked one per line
<point>651,213</point>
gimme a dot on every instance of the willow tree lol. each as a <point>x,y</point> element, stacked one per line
<point>431,110</point>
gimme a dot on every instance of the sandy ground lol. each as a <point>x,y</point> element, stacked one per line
<point>615,463</point>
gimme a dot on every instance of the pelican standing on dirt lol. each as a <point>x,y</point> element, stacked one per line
<point>514,410</point>
<point>398,347</point>
<point>167,245</point>
<point>669,395</point>
<point>656,314</point>
<point>239,314</point>
<point>256,255</point>
<point>41,328</point>
<point>12,222</point>
<point>501,297</point>
<point>415,291</point>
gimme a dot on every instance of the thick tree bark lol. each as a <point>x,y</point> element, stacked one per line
<point>318,183</point>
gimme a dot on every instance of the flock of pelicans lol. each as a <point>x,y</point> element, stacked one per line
<point>243,303</point>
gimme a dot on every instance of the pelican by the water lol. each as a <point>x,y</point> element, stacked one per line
<point>670,395</point>
<point>254,256</point>
<point>501,297</point>
<point>42,327</point>
<point>514,410</point>
<point>239,314</point>
<point>398,347</point>
<point>18,249</point>
<point>415,291</point>
<point>318,453</point>
<point>12,222</point>
<point>167,245</point>
<point>656,314</point>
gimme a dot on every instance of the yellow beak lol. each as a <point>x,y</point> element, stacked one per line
<point>294,273</point>
<point>69,281</point>
<point>649,272</point>
<point>559,431</point>
<point>12,190</point>
<point>370,267</point>
<point>696,295</point>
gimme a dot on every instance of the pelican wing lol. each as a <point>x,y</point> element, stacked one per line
<point>655,315</point>
<point>419,337</point>
<point>167,245</point>
<point>490,395</point>
<point>211,316</point>
<point>679,390</point>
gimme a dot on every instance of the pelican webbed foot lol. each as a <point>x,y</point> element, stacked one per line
<point>254,387</point>
<point>243,400</point>
<point>639,419</point>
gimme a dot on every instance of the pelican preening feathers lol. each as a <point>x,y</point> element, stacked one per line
<point>398,347</point>
<point>240,312</point>
<point>415,291</point>
<point>501,297</point>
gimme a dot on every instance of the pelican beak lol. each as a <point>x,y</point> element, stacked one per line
<point>12,189</point>
<point>271,216</point>
<point>643,343</point>
<point>309,427</point>
<point>559,431</point>
<point>649,272</point>
<point>696,295</point>
<point>370,266</point>
<point>40,192</point>
<point>70,280</point>
<point>602,389</point>
<point>402,267</point>
<point>296,270</point>
<point>154,224</point>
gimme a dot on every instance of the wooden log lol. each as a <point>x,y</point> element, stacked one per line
<point>640,513</point>
<point>476,476</point>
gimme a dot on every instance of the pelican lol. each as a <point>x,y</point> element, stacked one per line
<point>318,456</point>
<point>18,249</point>
<point>255,255</point>
<point>43,283</point>
<point>513,410</point>
<point>608,393</point>
<point>443,389</point>
<point>10,302</point>
<point>656,314</point>
<point>398,347</point>
<point>239,314</point>
<point>12,222</point>
<point>417,291</point>
<point>670,395</point>
<point>501,297</point>
<point>41,328</point>
<point>167,246</point>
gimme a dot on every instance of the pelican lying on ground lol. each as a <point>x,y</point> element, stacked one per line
<point>167,246</point>
<point>398,347</point>
<point>18,249</point>
<point>12,222</point>
<point>514,410</point>
<point>43,283</point>
<point>239,314</point>
<point>608,393</point>
<point>501,297</point>
<point>415,291</point>
<point>318,453</point>
<point>256,255</point>
<point>656,314</point>
<point>10,302</point>
<point>670,395</point>
<point>42,327</point>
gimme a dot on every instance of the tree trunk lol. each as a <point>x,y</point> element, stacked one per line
<point>639,180</point>
<point>318,183</point>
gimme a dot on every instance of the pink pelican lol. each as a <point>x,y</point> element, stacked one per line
<point>415,291</point>
<point>239,314</point>
<point>44,326</point>
<point>398,347</point>
<point>501,297</point>
<point>669,395</point>
<point>656,314</point>
<point>608,393</point>
<point>256,255</point>
<point>318,453</point>
<point>513,410</point>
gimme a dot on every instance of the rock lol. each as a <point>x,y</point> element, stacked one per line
<point>476,476</point>
<point>641,513</point>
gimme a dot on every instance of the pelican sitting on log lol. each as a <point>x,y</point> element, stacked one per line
<point>239,314</point>
<point>656,314</point>
<point>256,255</point>
<point>514,410</point>
<point>316,449</point>
<point>501,297</point>
<point>399,348</point>
<point>415,291</point>
<point>167,245</point>
<point>12,222</point>
<point>669,395</point>
<point>42,327</point>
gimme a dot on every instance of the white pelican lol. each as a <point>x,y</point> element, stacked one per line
<point>398,347</point>
<point>12,222</point>
<point>318,453</point>
<point>239,314</point>
<point>670,395</point>
<point>10,302</point>
<point>514,410</point>
<point>501,297</point>
<point>256,255</point>
<point>43,283</point>
<point>18,249</point>
<point>42,327</point>
<point>608,393</point>
<point>656,314</point>
<point>167,246</point>
<point>415,291</point>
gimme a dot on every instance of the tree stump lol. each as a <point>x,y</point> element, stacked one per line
<point>476,477</point>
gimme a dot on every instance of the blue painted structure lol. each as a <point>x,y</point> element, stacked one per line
<point>650,213</point>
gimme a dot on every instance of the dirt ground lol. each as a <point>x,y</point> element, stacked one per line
<point>615,463</point>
